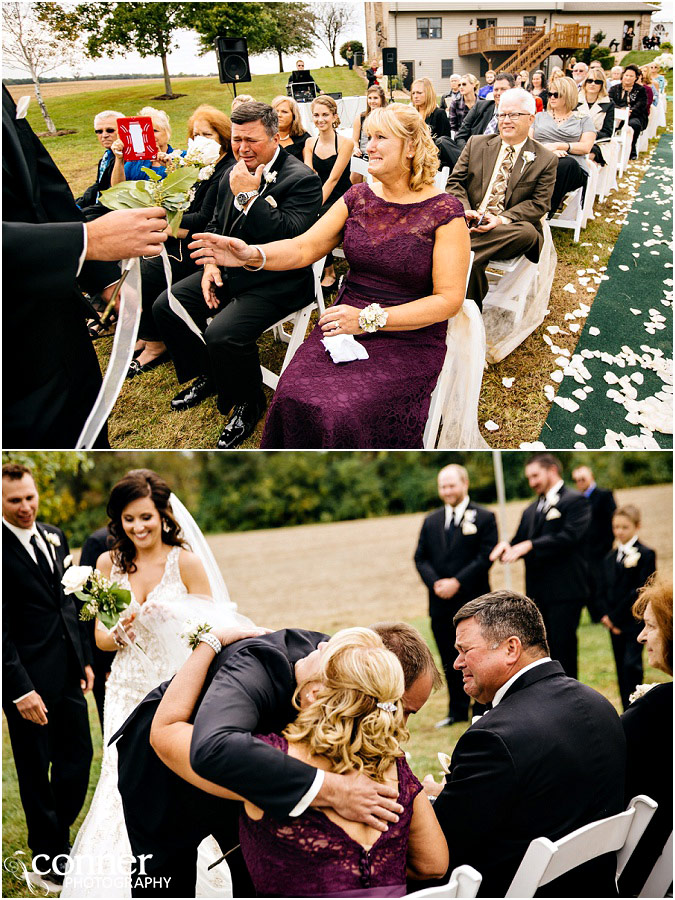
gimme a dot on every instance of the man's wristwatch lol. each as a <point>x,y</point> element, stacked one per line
<point>243,197</point>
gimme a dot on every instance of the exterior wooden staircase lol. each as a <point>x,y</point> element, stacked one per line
<point>531,45</point>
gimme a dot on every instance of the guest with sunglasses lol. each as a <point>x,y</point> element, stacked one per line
<point>594,102</point>
<point>105,129</point>
<point>468,88</point>
<point>568,133</point>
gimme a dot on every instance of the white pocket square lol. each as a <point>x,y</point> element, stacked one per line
<point>552,514</point>
<point>272,202</point>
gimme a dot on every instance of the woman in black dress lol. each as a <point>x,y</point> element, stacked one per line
<point>292,134</point>
<point>329,155</point>
<point>423,98</point>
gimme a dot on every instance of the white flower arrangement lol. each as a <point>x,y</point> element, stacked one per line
<point>631,558</point>
<point>553,514</point>
<point>75,578</point>
<point>665,60</point>
<point>372,317</point>
<point>52,539</point>
<point>270,177</point>
<point>470,515</point>
<point>206,172</point>
<point>469,528</point>
<point>640,691</point>
<point>202,151</point>
<point>68,561</point>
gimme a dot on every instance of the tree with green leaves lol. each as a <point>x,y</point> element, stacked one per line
<point>293,30</point>
<point>58,502</point>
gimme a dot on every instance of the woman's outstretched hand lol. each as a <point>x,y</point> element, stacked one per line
<point>220,250</point>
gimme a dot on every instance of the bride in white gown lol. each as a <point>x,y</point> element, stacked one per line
<point>149,558</point>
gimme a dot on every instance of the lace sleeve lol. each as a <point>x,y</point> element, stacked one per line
<point>274,740</point>
<point>448,208</point>
<point>409,785</point>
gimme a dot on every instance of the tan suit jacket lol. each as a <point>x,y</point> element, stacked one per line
<point>530,187</point>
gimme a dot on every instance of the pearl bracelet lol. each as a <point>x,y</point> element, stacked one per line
<point>262,264</point>
<point>212,641</point>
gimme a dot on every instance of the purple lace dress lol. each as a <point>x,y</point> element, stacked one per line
<point>382,401</point>
<point>311,856</point>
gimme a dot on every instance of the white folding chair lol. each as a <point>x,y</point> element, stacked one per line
<point>652,123</point>
<point>661,110</point>
<point>359,165</point>
<point>299,320</point>
<point>607,174</point>
<point>624,137</point>
<point>441,178</point>
<point>464,881</point>
<point>661,876</point>
<point>547,860</point>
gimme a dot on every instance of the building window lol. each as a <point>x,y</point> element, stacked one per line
<point>429,28</point>
<point>529,21</point>
<point>447,68</point>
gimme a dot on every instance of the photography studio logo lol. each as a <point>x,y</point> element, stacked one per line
<point>84,872</point>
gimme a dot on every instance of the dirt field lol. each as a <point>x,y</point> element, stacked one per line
<point>354,573</point>
<point>62,88</point>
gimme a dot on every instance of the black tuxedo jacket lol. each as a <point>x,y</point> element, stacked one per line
<point>475,121</point>
<point>46,403</point>
<point>248,691</point>
<point>44,644</point>
<point>545,761</point>
<point>599,537</point>
<point>466,559</point>
<point>284,209</point>
<point>619,585</point>
<point>556,567</point>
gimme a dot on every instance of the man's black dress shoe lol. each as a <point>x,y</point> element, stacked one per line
<point>242,422</point>
<point>136,368</point>
<point>199,390</point>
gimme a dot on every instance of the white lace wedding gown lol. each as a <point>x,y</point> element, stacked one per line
<point>101,853</point>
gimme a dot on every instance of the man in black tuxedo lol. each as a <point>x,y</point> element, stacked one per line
<point>599,537</point>
<point>105,129</point>
<point>550,537</point>
<point>548,757</point>
<point>46,667</point>
<point>453,559</point>
<point>48,253</point>
<point>481,119</point>
<point>248,690</point>
<point>267,196</point>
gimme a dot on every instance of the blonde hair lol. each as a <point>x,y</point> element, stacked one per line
<point>241,98</point>
<point>475,83</point>
<point>430,103</point>
<point>567,91</point>
<point>330,104</point>
<point>630,512</point>
<point>343,723</point>
<point>599,71</point>
<point>159,117</point>
<point>556,72</point>
<point>297,128</point>
<point>405,123</point>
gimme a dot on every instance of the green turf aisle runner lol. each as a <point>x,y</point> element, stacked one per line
<point>625,349</point>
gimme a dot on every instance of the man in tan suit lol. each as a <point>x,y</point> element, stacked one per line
<point>507,179</point>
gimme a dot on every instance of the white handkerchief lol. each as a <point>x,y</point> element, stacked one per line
<point>344,348</point>
<point>22,107</point>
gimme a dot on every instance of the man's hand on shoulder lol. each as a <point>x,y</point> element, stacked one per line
<point>360,799</point>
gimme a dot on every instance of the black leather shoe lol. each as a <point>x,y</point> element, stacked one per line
<point>242,422</point>
<point>199,390</point>
<point>136,368</point>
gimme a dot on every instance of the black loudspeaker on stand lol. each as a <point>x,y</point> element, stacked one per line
<point>389,61</point>
<point>232,56</point>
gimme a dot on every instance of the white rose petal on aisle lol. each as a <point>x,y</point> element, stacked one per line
<point>75,578</point>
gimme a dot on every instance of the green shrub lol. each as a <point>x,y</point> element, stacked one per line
<point>357,47</point>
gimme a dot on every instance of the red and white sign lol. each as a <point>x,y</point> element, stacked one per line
<point>138,137</point>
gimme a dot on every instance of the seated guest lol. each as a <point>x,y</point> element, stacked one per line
<point>615,75</point>
<point>570,135</point>
<point>486,90</point>
<point>594,102</point>
<point>556,72</point>
<point>292,134</point>
<point>495,178</point>
<point>105,129</point>
<point>375,98</point>
<point>624,572</point>
<point>452,94</point>
<point>371,72</point>
<point>423,99</point>
<point>631,95</point>
<point>482,119</point>
<point>648,726</point>
<point>132,170</point>
<point>352,678</point>
<point>209,122</point>
<point>646,82</point>
<point>537,86</point>
<point>546,759</point>
<point>413,265</point>
<point>232,309</point>
<point>241,98</point>
<point>460,108</point>
<point>658,80</point>
<point>524,79</point>
<point>579,73</point>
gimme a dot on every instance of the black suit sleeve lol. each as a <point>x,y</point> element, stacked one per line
<point>607,129</point>
<point>523,531</point>
<point>16,679</point>
<point>423,556</point>
<point>466,128</point>
<point>576,519</point>
<point>197,220</point>
<point>292,216</point>
<point>23,254</point>
<point>439,123</point>
<point>223,748</point>
<point>489,537</point>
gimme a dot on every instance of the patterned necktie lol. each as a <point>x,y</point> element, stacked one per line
<point>495,204</point>
<point>103,164</point>
<point>492,126</point>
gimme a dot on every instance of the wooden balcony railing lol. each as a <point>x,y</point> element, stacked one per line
<point>493,39</point>
<point>560,37</point>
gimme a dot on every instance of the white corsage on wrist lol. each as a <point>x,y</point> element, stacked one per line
<point>372,317</point>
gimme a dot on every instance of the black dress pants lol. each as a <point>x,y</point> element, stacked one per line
<point>569,177</point>
<point>628,658</point>
<point>561,621</point>
<point>230,354</point>
<point>52,799</point>
<point>445,636</point>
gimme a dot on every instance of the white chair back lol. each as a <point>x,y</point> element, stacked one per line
<point>464,881</point>
<point>661,876</point>
<point>547,860</point>
<point>441,178</point>
<point>359,165</point>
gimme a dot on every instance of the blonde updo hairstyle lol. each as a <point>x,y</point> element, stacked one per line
<point>330,104</point>
<point>159,117</point>
<point>343,723</point>
<point>404,122</point>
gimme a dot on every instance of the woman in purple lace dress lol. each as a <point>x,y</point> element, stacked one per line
<point>408,248</point>
<point>350,720</point>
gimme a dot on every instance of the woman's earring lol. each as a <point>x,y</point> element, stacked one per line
<point>165,526</point>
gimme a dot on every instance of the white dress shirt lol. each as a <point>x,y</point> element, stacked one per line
<point>500,156</point>
<point>550,496</point>
<point>622,549</point>
<point>504,688</point>
<point>456,511</point>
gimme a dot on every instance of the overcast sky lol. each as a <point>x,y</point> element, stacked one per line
<point>187,60</point>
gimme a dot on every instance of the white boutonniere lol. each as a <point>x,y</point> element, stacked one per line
<point>640,691</point>
<point>631,558</point>
<point>444,761</point>
<point>52,539</point>
<point>469,528</point>
<point>272,202</point>
<point>528,157</point>
<point>553,514</point>
<point>470,515</point>
<point>554,500</point>
<point>68,561</point>
<point>270,177</point>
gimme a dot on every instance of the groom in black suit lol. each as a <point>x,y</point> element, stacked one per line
<point>46,666</point>
<point>547,757</point>
<point>248,690</point>
<point>551,539</point>
<point>267,196</point>
<point>453,559</point>
<point>599,537</point>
